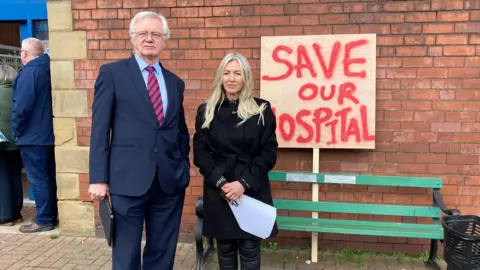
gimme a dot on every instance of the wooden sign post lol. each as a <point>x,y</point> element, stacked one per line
<point>322,89</point>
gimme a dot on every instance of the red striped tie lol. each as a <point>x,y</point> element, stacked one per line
<point>155,95</point>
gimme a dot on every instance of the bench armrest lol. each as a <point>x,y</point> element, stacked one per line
<point>437,196</point>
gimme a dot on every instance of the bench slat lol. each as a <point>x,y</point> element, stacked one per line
<point>428,231</point>
<point>358,208</point>
<point>372,180</point>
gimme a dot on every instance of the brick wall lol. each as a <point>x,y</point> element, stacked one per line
<point>427,74</point>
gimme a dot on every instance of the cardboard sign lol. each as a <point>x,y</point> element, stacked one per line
<point>322,89</point>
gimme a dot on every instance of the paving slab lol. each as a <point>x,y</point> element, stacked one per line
<point>30,251</point>
<point>51,250</point>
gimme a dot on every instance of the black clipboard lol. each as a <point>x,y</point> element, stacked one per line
<point>107,218</point>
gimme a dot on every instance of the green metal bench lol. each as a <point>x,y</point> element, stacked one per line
<point>432,231</point>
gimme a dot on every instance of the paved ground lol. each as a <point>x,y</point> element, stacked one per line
<point>18,251</point>
<point>51,251</point>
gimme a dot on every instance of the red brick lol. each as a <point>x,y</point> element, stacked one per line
<point>360,18</point>
<point>110,24</point>
<point>417,105</point>
<point>446,127</point>
<point>247,21</point>
<point>421,17</point>
<point>354,7</point>
<point>112,44</point>
<point>434,28</point>
<point>226,11</point>
<point>346,29</point>
<point>450,16</point>
<point>269,9</point>
<point>452,39</point>
<point>447,5</point>
<point>220,43</point>
<point>85,25</point>
<point>471,83</point>
<point>427,104</point>
<point>259,31</point>
<point>407,28</point>
<point>324,19</point>
<point>420,40</point>
<point>184,12</point>
<point>192,22</point>
<point>82,14</point>
<point>203,33</point>
<point>458,50</point>
<point>205,11</point>
<point>104,14</point>
<point>84,4</point>
<point>447,105</point>
<point>218,22</point>
<point>432,73</point>
<point>288,30</point>
<point>472,4</point>
<point>411,51</point>
<point>467,27</point>
<point>463,73</point>
<point>389,18</point>
<point>196,3</point>
<point>417,62</point>
<point>109,3</point>
<point>275,20</point>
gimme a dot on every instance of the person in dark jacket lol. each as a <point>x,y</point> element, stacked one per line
<point>32,131</point>
<point>234,146</point>
<point>11,191</point>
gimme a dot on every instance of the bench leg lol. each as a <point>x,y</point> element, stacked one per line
<point>432,256</point>
<point>201,252</point>
<point>199,244</point>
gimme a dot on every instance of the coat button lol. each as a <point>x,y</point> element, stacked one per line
<point>155,150</point>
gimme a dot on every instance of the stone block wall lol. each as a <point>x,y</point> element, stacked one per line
<point>70,105</point>
<point>427,100</point>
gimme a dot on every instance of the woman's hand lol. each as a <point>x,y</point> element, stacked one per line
<point>233,190</point>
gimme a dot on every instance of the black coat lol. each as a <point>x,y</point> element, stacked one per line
<point>248,151</point>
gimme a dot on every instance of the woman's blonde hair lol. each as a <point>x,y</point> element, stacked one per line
<point>247,106</point>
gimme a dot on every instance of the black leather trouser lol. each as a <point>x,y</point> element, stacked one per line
<point>249,254</point>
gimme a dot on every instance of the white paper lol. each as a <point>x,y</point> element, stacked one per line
<point>254,217</point>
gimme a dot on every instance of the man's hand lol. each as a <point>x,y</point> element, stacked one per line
<point>233,190</point>
<point>98,191</point>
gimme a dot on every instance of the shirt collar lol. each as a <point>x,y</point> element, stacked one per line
<point>142,64</point>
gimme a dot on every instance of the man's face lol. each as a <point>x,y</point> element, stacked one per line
<point>24,56</point>
<point>149,39</point>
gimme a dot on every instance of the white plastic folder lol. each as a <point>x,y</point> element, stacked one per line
<point>254,216</point>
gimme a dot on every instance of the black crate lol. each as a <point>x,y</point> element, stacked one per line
<point>462,242</point>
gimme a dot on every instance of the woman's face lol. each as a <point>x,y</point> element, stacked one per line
<point>232,79</point>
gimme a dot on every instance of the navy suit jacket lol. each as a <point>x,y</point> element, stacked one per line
<point>127,145</point>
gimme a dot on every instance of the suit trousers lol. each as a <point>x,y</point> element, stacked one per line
<point>162,214</point>
<point>39,161</point>
<point>11,191</point>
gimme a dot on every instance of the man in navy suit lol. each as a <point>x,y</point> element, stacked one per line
<point>139,148</point>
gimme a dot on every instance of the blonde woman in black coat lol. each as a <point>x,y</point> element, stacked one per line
<point>234,147</point>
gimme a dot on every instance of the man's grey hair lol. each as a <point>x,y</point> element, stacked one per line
<point>7,74</point>
<point>149,15</point>
<point>33,46</point>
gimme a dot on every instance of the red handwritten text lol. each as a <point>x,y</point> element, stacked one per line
<point>314,121</point>
<point>304,61</point>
